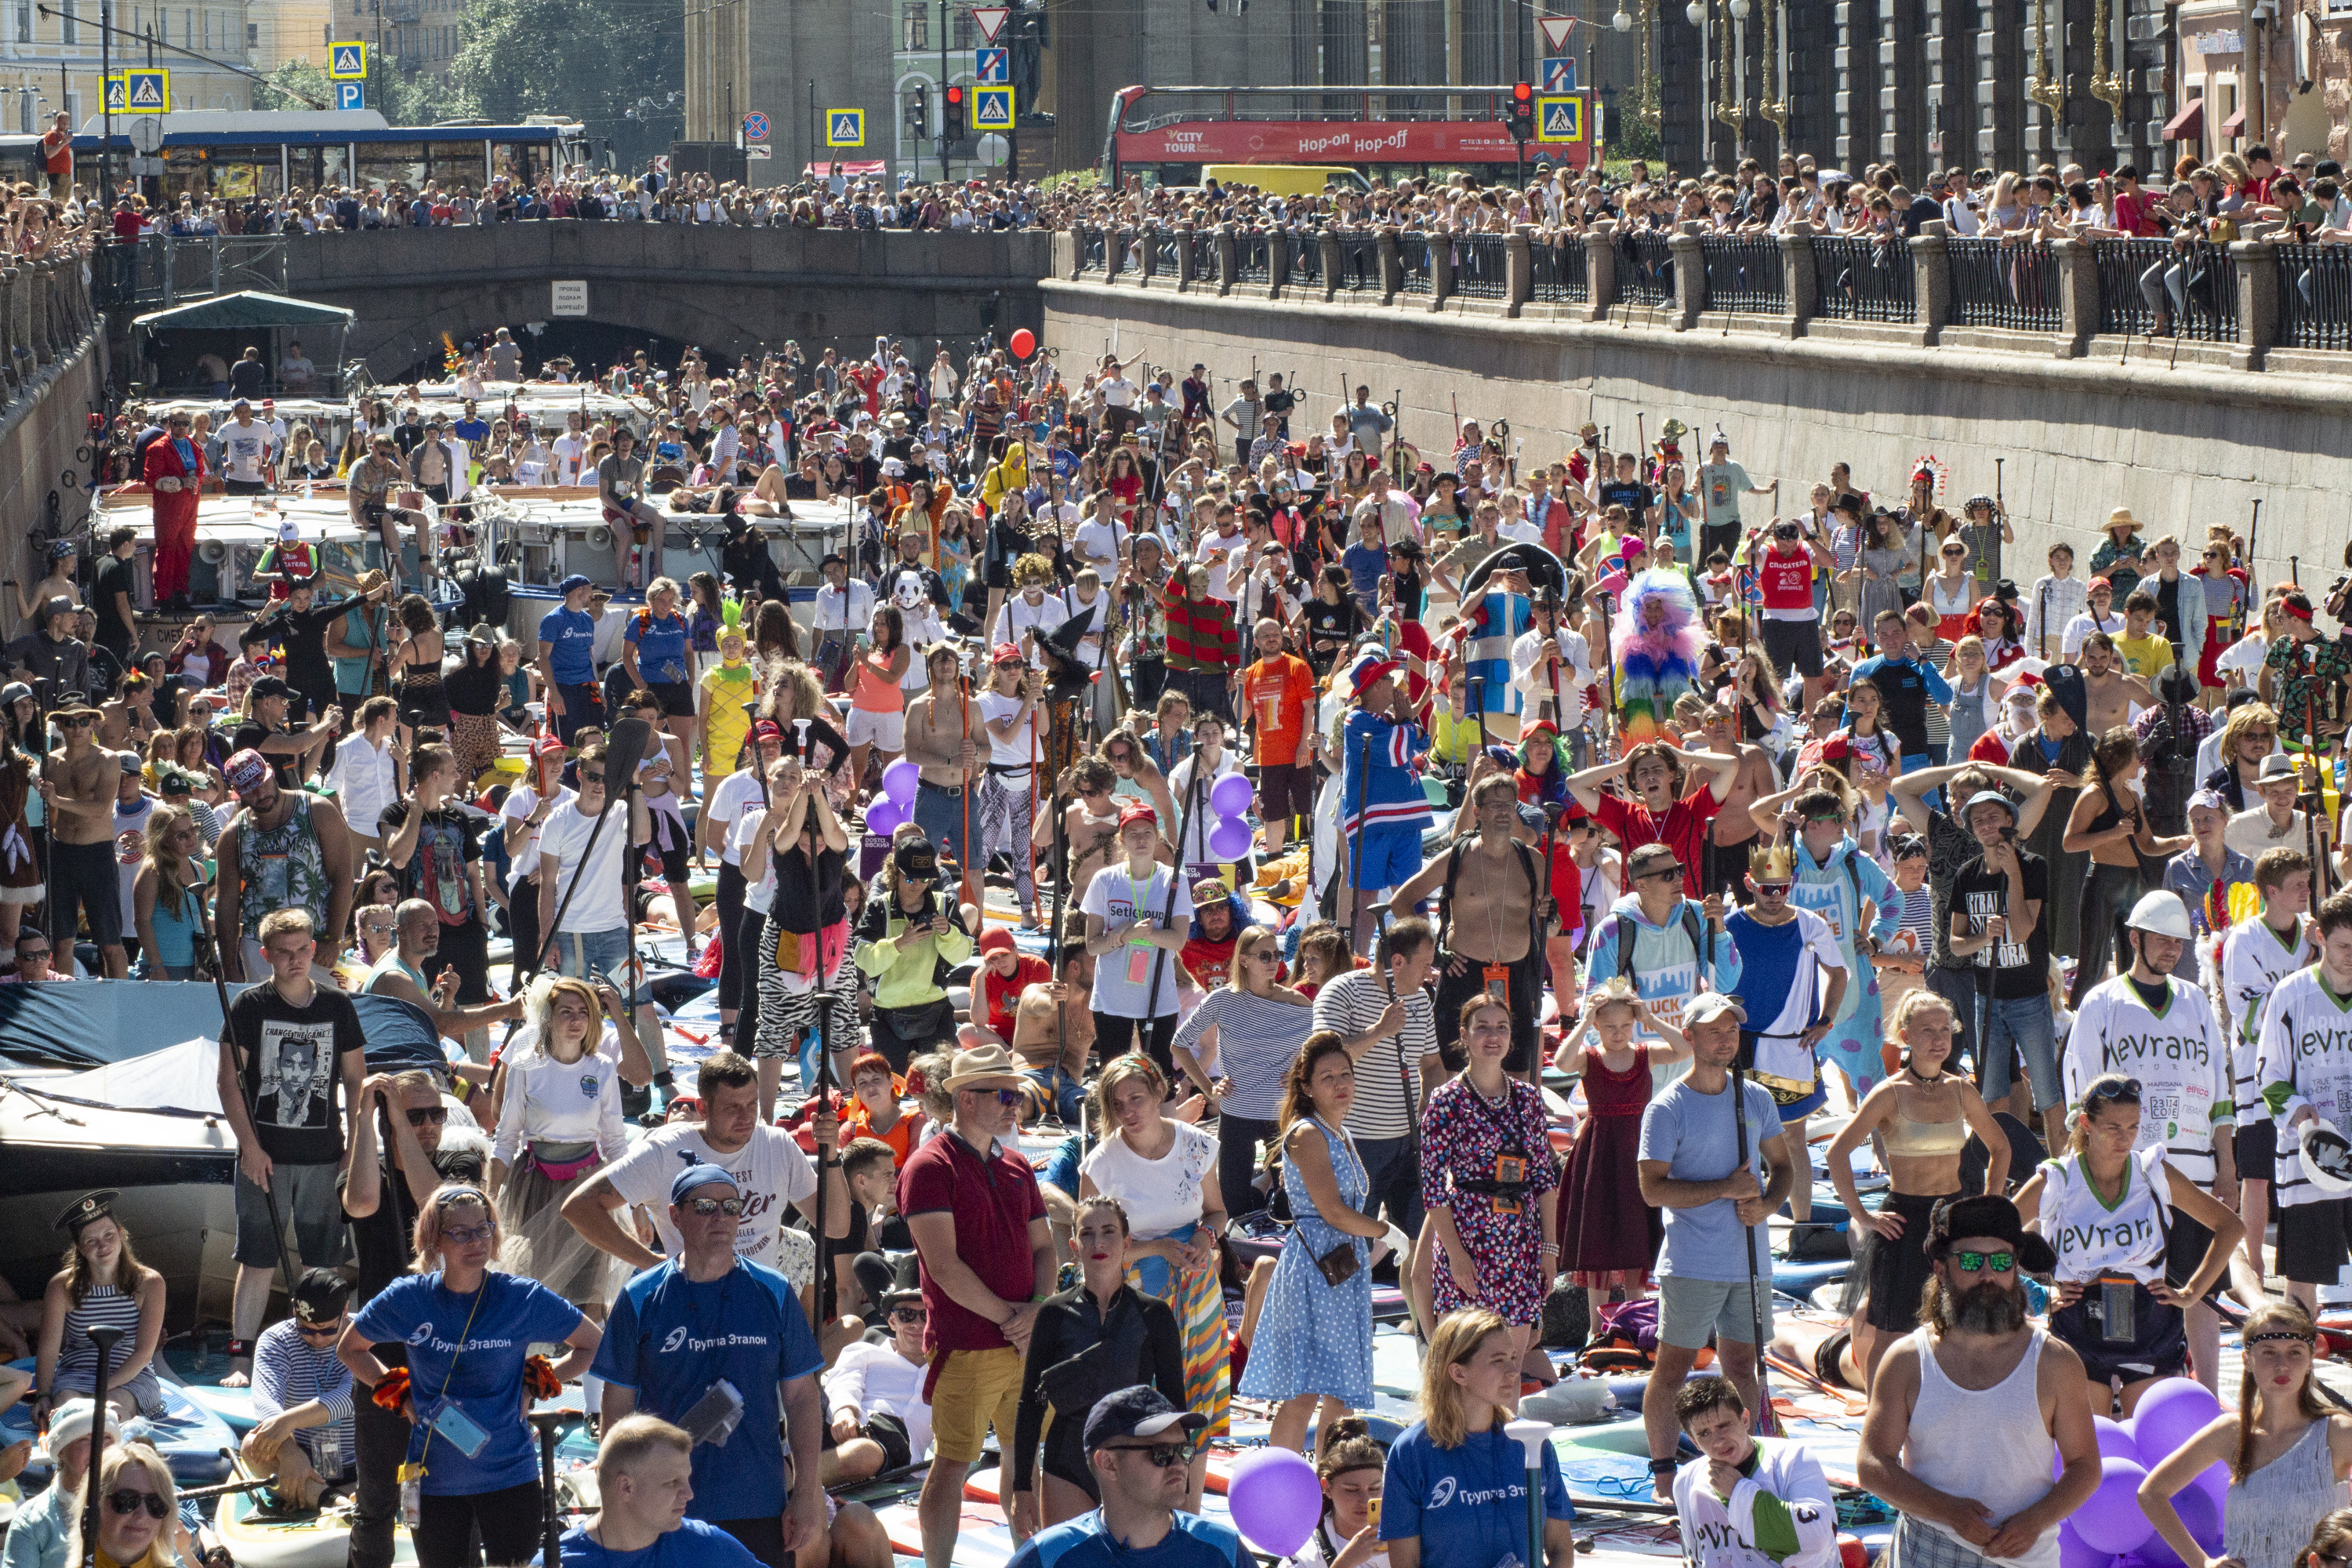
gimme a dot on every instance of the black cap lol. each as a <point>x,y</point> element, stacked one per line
<point>320,1295</point>
<point>1987,1215</point>
<point>1142,1411</point>
<point>915,857</point>
<point>87,1210</point>
<point>271,686</point>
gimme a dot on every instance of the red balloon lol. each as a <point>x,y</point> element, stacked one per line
<point>1024,343</point>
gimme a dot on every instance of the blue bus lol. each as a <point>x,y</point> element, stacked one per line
<point>235,154</point>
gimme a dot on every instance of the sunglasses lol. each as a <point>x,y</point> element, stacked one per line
<point>706,1207</point>
<point>317,1331</point>
<point>1163,1455</point>
<point>592,778</point>
<point>1003,1096</point>
<point>466,1235</point>
<point>127,1503</point>
<point>433,1117</point>
<point>1771,889</point>
<point>82,722</point>
<point>2128,1089</point>
<point>32,952</point>
<point>1972,1262</point>
<point>909,1314</point>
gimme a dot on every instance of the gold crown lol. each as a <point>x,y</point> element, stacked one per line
<point>1770,864</point>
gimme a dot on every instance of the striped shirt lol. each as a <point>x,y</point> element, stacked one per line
<point>2054,602</point>
<point>1257,1039</point>
<point>1352,1004</point>
<point>288,1374</point>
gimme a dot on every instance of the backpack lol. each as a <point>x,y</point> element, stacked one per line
<point>1626,1339</point>
<point>1691,928</point>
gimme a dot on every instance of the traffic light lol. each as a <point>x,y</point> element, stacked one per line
<point>1520,114</point>
<point>919,113</point>
<point>952,125</point>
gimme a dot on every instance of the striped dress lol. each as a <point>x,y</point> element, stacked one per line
<point>1162,1198</point>
<point>105,1307</point>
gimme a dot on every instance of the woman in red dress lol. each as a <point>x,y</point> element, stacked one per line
<point>1608,1237</point>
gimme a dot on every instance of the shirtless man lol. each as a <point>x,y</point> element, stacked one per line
<point>1089,823</point>
<point>1487,888</point>
<point>2109,690</point>
<point>374,514</point>
<point>1733,834</point>
<point>79,784</point>
<point>1054,1049</point>
<point>942,735</point>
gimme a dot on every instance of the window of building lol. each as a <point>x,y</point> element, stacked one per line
<point>916,29</point>
<point>24,21</point>
<point>69,25</point>
<point>964,35</point>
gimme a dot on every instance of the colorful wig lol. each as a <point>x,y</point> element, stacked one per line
<point>1656,641</point>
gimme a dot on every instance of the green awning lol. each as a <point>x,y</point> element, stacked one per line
<point>246,309</point>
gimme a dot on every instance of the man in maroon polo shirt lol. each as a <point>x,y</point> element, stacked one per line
<point>987,1259</point>
<point>1660,812</point>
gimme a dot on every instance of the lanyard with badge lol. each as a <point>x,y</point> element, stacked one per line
<point>448,1423</point>
<point>1139,952</point>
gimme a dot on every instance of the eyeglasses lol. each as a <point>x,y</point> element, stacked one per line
<point>128,1502</point>
<point>1164,1456</point>
<point>1972,1262</point>
<point>466,1235</point>
<point>433,1117</point>
<point>32,952</point>
<point>706,1207</point>
<point>1003,1096</point>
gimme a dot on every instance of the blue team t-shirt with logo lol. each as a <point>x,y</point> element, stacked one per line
<point>486,1333</point>
<point>1086,1542</point>
<point>1468,1505</point>
<point>693,1544</point>
<point>669,1339</point>
<point>572,637</point>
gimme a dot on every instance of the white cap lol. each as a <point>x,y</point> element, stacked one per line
<point>2326,1159</point>
<point>70,1423</point>
<point>2161,913</point>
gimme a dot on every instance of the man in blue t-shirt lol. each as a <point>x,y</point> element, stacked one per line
<point>709,1341</point>
<point>643,1491</point>
<point>1139,1447</point>
<point>567,660</point>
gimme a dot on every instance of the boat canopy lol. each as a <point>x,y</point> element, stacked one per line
<point>92,1023</point>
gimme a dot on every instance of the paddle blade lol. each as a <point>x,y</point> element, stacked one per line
<point>625,746</point>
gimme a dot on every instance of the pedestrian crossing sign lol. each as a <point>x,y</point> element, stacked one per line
<point>147,91</point>
<point>991,108</point>
<point>115,102</point>
<point>1559,120</point>
<point>845,128</point>
<point>347,62</point>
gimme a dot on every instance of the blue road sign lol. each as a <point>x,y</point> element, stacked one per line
<point>991,68</point>
<point>347,62</point>
<point>351,95</point>
<point>1559,74</point>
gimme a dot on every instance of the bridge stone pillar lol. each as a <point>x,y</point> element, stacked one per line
<point>1228,259</point>
<point>53,335</point>
<point>1185,275</point>
<point>11,371</point>
<point>22,343</point>
<point>1334,257</point>
<point>1799,282</point>
<point>1519,269</point>
<point>1599,271</point>
<point>2257,283</point>
<point>2078,297</point>
<point>1931,279</point>
<point>1690,277</point>
<point>1440,269</point>
<point>1391,266</point>
<point>1277,262</point>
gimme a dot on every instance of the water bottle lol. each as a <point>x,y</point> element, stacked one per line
<point>411,1495</point>
<point>331,1453</point>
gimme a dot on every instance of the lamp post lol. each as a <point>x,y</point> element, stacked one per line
<point>1696,13</point>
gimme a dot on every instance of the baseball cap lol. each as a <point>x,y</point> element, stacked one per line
<point>1142,1411</point>
<point>271,686</point>
<point>768,730</point>
<point>1711,1003</point>
<point>1137,811</point>
<point>915,857</point>
<point>245,772</point>
<point>995,939</point>
<point>701,1175</point>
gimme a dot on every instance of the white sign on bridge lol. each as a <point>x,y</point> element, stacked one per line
<point>571,297</point>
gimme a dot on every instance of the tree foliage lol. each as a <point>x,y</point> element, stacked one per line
<point>587,59</point>
<point>402,96</point>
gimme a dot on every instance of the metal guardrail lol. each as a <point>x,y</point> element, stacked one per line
<point>2152,285</point>
<point>1744,275</point>
<point>1306,259</point>
<point>2315,297</point>
<point>1360,260</point>
<point>1204,255</point>
<point>1094,253</point>
<point>1859,280</point>
<point>1162,254</point>
<point>1480,267</point>
<point>1561,274</point>
<point>1645,270</point>
<point>1997,284</point>
<point>1413,252</point>
<point>1253,257</point>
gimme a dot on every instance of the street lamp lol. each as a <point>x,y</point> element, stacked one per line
<point>1622,22</point>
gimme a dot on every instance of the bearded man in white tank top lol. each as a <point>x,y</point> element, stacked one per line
<point>1968,1413</point>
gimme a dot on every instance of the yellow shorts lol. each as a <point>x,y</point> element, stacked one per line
<point>975,1389</point>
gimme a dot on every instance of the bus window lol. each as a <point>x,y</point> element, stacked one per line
<point>454,165</point>
<point>522,163</point>
<point>312,168</point>
<point>240,173</point>
<point>384,165</point>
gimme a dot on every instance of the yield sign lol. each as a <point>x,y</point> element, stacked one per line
<point>991,20</point>
<point>1556,30</point>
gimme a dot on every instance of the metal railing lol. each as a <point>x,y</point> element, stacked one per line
<point>1204,255</point>
<point>2152,285</point>
<point>1479,267</point>
<point>1744,275</point>
<point>1413,252</point>
<point>1160,254</point>
<point>1306,259</point>
<point>1094,255</point>
<point>1858,279</point>
<point>1645,270</point>
<point>2315,297</point>
<point>1253,258</point>
<point>1561,274</point>
<point>1360,260</point>
<point>1996,284</point>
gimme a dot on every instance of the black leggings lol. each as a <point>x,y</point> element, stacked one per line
<point>2108,897</point>
<point>731,968</point>
<point>1237,1153</point>
<point>509,1522</point>
<point>1117,1037</point>
<point>522,925</point>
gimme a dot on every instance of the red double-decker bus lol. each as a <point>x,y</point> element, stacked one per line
<point>1167,134</point>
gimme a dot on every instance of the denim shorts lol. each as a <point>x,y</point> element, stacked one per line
<point>2026,1021</point>
<point>583,954</point>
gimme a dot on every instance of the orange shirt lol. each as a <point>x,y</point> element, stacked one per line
<point>1279,692</point>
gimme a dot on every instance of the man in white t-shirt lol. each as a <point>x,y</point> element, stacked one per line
<point>1101,540</point>
<point>570,448</point>
<point>1217,549</point>
<point>1543,648</point>
<point>523,814</point>
<point>245,452</point>
<point>769,1168</point>
<point>581,894</point>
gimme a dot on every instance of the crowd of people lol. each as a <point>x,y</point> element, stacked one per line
<point>1167,848</point>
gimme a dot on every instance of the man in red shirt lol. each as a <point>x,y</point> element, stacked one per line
<point>1219,918</point>
<point>175,469</point>
<point>1277,694</point>
<point>1005,971</point>
<point>57,156</point>
<point>986,1261</point>
<point>1662,813</point>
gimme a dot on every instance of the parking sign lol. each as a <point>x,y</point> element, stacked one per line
<point>351,95</point>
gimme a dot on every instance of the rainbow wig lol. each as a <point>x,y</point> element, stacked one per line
<point>1655,664</point>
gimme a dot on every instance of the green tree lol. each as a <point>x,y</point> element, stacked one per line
<point>402,96</point>
<point>295,84</point>
<point>586,59</point>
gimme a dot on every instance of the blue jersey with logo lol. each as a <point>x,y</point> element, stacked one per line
<point>1468,1505</point>
<point>670,1339</point>
<point>693,1544</point>
<point>571,637</point>
<point>486,1333</point>
<point>1192,1542</point>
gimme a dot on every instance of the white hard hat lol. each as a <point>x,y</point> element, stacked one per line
<point>2161,914</point>
<point>2326,1159</point>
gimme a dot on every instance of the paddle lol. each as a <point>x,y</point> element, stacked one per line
<point>104,1339</point>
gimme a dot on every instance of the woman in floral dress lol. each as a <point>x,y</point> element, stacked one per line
<point>1490,1181</point>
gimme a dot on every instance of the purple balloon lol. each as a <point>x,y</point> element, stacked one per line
<point>2115,1443</point>
<point>885,816</point>
<point>1230,795</point>
<point>899,782</point>
<point>2214,1483</point>
<point>1231,841</point>
<point>2111,1520</point>
<point>2170,1412</point>
<point>2072,1553</point>
<point>2201,1514</point>
<point>1275,1499</point>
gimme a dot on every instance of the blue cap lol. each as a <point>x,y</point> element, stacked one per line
<point>577,580</point>
<point>1142,1411</point>
<point>701,1176</point>
<point>1989,797</point>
